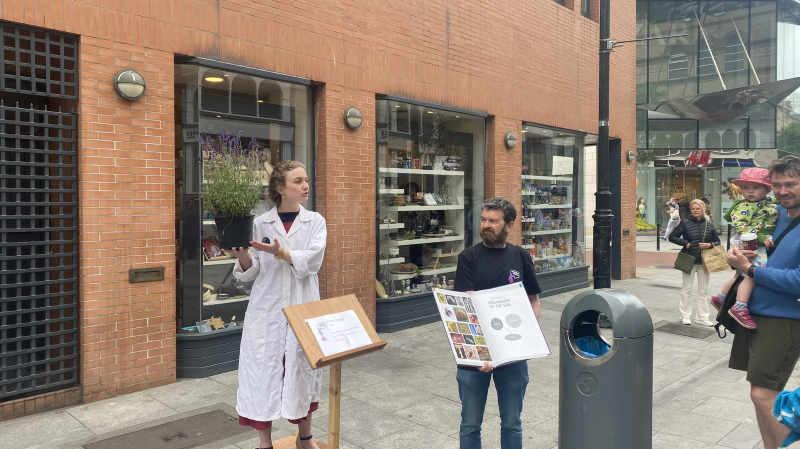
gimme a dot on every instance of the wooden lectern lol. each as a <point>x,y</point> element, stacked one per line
<point>297,316</point>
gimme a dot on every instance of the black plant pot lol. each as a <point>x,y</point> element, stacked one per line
<point>234,232</point>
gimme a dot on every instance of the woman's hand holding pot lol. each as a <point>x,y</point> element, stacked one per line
<point>272,248</point>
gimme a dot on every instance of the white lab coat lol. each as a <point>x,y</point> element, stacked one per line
<point>265,393</point>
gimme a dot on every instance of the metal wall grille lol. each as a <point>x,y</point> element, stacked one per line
<point>38,251</point>
<point>38,61</point>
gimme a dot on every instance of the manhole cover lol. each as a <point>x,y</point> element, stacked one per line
<point>686,331</point>
<point>185,433</point>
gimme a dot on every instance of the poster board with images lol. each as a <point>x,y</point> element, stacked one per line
<point>495,325</point>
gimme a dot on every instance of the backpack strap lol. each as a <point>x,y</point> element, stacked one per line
<point>788,229</point>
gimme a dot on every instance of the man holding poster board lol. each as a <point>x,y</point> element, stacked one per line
<point>488,264</point>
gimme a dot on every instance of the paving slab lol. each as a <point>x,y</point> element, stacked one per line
<point>120,412</point>
<point>44,430</point>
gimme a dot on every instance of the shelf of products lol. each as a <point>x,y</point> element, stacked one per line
<point>558,231</point>
<point>220,302</point>
<point>547,178</point>
<point>413,171</point>
<point>552,221</point>
<point>219,262</point>
<point>424,189</point>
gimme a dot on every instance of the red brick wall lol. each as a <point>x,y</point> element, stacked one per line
<point>127,220</point>
<point>515,60</point>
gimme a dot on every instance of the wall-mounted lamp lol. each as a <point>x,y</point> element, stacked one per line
<point>511,140</point>
<point>352,118</point>
<point>631,157</point>
<point>129,84</point>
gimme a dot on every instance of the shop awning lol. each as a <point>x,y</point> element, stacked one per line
<point>726,105</point>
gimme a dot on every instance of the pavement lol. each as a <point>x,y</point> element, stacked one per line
<point>406,395</point>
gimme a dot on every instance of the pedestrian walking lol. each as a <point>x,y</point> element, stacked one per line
<point>492,263</point>
<point>275,379</point>
<point>694,234</point>
<point>770,352</point>
<point>674,217</point>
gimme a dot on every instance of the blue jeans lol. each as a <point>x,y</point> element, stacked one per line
<point>473,387</point>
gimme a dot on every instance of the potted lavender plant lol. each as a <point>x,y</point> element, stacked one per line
<point>231,185</point>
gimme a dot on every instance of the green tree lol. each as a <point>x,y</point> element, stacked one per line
<point>789,139</point>
<point>645,157</point>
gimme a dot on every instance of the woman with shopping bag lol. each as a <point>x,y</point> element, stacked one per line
<point>695,234</point>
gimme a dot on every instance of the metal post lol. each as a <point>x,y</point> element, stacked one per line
<point>603,218</point>
<point>658,237</point>
<point>729,237</point>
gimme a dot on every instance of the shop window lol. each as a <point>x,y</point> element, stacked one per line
<point>712,140</point>
<point>552,198</point>
<point>678,66</point>
<point>729,139</point>
<point>705,65</point>
<point>734,55</point>
<point>430,187</point>
<point>232,103</point>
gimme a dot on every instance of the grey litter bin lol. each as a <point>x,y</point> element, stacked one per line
<point>606,401</point>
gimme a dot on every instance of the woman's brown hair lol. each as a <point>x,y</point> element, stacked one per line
<point>278,178</point>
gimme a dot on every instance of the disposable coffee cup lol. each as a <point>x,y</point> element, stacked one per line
<point>748,241</point>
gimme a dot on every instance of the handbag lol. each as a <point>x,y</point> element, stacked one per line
<point>715,259</point>
<point>675,215</point>
<point>685,261</point>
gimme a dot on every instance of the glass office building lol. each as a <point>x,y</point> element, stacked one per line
<point>716,97</point>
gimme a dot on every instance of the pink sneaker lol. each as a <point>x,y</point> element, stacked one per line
<point>716,302</point>
<point>742,316</point>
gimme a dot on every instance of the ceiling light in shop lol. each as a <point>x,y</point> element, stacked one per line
<point>219,116</point>
<point>397,106</point>
<point>430,112</point>
<point>260,101</point>
<point>214,79</point>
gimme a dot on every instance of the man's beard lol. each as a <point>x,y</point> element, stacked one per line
<point>788,201</point>
<point>494,240</point>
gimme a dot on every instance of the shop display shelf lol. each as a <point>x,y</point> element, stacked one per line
<point>411,208</point>
<point>392,261</point>
<point>400,277</point>
<point>392,226</point>
<point>413,171</point>
<point>220,262</point>
<point>548,206</point>
<point>553,231</point>
<point>557,256</point>
<point>220,302</point>
<point>548,178</point>
<point>423,241</point>
<point>391,191</point>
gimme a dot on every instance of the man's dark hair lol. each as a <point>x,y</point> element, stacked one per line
<point>787,165</point>
<point>499,203</point>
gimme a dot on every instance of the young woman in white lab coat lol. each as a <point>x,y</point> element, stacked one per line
<point>275,379</point>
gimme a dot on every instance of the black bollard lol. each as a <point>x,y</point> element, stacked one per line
<point>729,236</point>
<point>658,237</point>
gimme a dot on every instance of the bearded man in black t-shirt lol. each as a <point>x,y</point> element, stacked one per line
<point>488,264</point>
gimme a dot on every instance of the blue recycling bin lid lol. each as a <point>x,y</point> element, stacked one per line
<point>629,317</point>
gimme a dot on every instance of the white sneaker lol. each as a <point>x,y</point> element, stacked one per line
<point>705,323</point>
<point>686,321</point>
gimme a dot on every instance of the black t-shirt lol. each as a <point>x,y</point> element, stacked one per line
<point>480,268</point>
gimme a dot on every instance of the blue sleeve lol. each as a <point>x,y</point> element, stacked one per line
<point>785,280</point>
